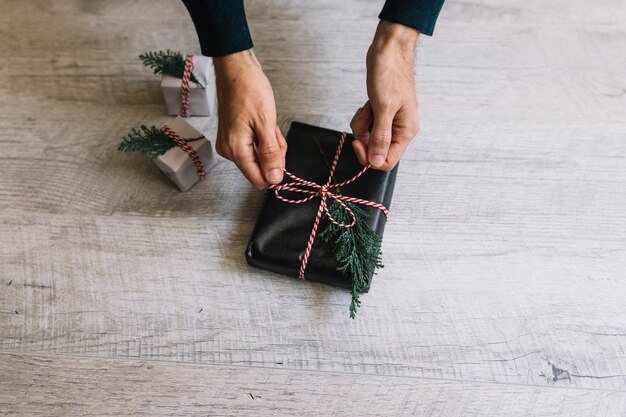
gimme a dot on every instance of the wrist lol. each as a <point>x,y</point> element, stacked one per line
<point>395,36</point>
<point>234,63</point>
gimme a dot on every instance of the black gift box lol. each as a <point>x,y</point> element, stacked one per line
<point>282,229</point>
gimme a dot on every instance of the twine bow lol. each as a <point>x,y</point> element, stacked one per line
<point>184,88</point>
<point>187,148</point>
<point>313,189</point>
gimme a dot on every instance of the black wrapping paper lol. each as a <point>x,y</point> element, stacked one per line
<point>282,229</point>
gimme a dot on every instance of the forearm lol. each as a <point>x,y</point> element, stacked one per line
<point>221,26</point>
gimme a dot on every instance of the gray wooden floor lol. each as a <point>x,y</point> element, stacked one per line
<point>504,287</point>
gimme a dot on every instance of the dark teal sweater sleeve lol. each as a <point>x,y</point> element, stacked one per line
<point>221,25</point>
<point>418,14</point>
<point>223,29</point>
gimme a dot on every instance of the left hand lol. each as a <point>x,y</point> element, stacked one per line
<point>392,103</point>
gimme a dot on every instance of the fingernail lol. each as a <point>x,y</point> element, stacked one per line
<point>274,174</point>
<point>378,160</point>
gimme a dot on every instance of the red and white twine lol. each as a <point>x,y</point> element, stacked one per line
<point>298,185</point>
<point>187,148</point>
<point>184,88</point>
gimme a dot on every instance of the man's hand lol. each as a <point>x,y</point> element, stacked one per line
<point>247,133</point>
<point>392,104</point>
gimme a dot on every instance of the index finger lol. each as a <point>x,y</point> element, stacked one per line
<point>244,156</point>
<point>361,123</point>
<point>395,152</point>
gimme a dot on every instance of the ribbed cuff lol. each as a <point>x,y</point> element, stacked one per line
<point>221,26</point>
<point>418,14</point>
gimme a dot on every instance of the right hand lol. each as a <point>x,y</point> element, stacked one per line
<point>392,104</point>
<point>247,133</point>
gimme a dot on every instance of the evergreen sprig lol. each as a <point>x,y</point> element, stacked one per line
<point>357,249</point>
<point>167,63</point>
<point>149,141</point>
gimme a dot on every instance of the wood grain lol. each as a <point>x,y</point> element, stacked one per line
<point>51,386</point>
<point>505,253</point>
<point>491,308</point>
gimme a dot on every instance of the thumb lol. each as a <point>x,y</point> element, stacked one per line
<point>270,154</point>
<point>380,139</point>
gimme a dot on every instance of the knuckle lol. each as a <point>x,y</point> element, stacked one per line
<point>238,155</point>
<point>381,139</point>
<point>414,130</point>
<point>265,117</point>
<point>221,150</point>
<point>383,105</point>
<point>269,152</point>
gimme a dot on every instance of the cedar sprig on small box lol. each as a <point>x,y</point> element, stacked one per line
<point>150,141</point>
<point>168,62</point>
<point>178,149</point>
<point>187,82</point>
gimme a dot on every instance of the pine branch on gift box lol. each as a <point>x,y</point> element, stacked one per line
<point>357,249</point>
<point>167,63</point>
<point>150,141</point>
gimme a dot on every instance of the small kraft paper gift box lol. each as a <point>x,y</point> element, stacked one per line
<point>325,221</point>
<point>188,82</point>
<point>177,148</point>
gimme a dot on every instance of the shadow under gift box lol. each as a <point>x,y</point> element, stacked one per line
<point>177,165</point>
<point>201,102</point>
<point>282,230</point>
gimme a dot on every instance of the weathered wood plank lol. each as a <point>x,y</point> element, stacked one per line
<point>464,303</point>
<point>51,386</point>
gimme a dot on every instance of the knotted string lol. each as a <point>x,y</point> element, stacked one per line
<point>299,185</point>
<point>187,148</point>
<point>184,88</point>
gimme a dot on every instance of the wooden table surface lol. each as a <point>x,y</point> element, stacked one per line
<point>504,290</point>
